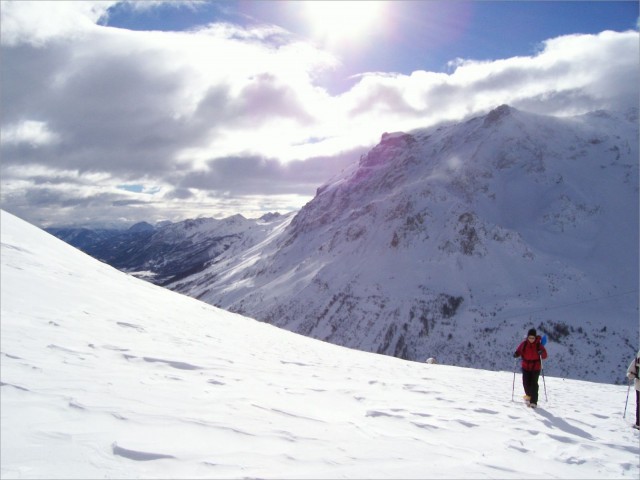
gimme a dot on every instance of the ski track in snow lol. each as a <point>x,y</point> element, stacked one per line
<point>104,375</point>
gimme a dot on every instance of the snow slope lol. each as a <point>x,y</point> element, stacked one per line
<point>106,376</point>
<point>452,241</point>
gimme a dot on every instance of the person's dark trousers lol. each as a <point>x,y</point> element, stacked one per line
<point>530,384</point>
<point>638,407</point>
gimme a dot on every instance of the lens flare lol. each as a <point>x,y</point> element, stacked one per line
<point>336,23</point>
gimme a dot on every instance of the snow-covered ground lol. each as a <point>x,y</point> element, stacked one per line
<point>107,376</point>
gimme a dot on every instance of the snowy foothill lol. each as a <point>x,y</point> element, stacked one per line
<point>107,376</point>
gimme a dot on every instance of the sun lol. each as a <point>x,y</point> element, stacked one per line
<point>336,23</point>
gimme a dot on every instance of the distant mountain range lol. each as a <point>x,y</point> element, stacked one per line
<point>170,251</point>
<point>447,242</point>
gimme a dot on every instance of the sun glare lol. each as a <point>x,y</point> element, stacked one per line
<point>335,22</point>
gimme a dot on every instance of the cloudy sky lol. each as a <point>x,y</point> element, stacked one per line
<point>117,112</point>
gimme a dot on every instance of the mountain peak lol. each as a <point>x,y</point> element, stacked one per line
<point>395,138</point>
<point>497,114</point>
<point>141,227</point>
<point>389,142</point>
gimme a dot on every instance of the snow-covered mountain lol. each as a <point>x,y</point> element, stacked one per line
<point>106,376</point>
<point>171,251</point>
<point>452,241</point>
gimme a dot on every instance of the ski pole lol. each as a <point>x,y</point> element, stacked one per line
<point>513,386</point>
<point>626,401</point>
<point>543,382</point>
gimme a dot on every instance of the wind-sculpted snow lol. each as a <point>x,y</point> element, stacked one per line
<point>106,376</point>
<point>525,220</point>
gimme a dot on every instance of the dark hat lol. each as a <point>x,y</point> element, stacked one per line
<point>532,331</point>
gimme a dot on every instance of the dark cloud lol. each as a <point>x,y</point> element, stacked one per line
<point>255,175</point>
<point>386,98</point>
<point>27,75</point>
<point>112,112</point>
<point>129,202</point>
<point>59,198</point>
<point>179,194</point>
<point>266,98</point>
<point>215,108</point>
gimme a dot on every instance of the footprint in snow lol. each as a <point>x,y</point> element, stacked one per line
<point>378,413</point>
<point>420,414</point>
<point>171,363</point>
<point>137,455</point>
<point>130,325</point>
<point>300,364</point>
<point>425,426</point>
<point>484,410</point>
<point>561,438</point>
<point>520,449</point>
<point>18,387</point>
<point>467,424</point>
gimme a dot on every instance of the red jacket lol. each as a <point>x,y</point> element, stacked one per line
<point>529,353</point>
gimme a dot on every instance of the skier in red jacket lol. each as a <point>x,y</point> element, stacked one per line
<point>532,352</point>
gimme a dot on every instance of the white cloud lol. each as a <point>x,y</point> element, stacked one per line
<point>29,132</point>
<point>37,22</point>
<point>604,68</point>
